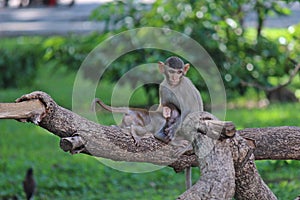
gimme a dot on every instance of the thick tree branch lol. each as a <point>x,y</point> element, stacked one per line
<point>110,142</point>
<point>80,135</point>
<point>98,140</point>
<point>32,110</point>
<point>277,143</point>
<point>217,179</point>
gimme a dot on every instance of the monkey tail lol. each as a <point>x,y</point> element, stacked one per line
<point>109,108</point>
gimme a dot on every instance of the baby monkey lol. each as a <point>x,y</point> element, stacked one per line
<point>138,121</point>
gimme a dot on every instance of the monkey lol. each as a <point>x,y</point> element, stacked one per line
<point>171,115</point>
<point>29,184</point>
<point>140,121</point>
<point>178,90</point>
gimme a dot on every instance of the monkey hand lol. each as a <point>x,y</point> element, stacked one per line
<point>170,133</point>
<point>168,129</point>
<point>162,136</point>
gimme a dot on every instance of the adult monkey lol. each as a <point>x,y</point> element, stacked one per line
<point>178,90</point>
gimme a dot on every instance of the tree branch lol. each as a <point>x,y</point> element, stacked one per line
<point>32,110</point>
<point>110,142</point>
<point>276,143</point>
<point>98,140</point>
<point>227,164</point>
<point>271,89</point>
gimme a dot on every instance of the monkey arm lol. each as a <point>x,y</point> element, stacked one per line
<point>162,99</point>
<point>167,96</point>
<point>157,125</point>
<point>173,128</point>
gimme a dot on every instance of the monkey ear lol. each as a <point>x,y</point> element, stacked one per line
<point>161,66</point>
<point>186,68</point>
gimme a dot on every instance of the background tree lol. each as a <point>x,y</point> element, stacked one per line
<point>243,55</point>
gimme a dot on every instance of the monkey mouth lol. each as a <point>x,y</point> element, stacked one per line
<point>173,83</point>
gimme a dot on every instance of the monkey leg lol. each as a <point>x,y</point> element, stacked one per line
<point>188,177</point>
<point>135,137</point>
<point>134,130</point>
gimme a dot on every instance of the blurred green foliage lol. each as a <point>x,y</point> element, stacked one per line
<point>21,58</point>
<point>253,55</point>
<point>18,61</point>
<point>219,27</point>
<point>69,51</point>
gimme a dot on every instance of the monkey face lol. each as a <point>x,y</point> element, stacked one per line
<point>173,76</point>
<point>173,73</point>
<point>166,112</point>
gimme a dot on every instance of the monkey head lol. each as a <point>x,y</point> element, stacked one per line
<point>173,69</point>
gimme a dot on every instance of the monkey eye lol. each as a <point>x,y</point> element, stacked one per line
<point>175,71</point>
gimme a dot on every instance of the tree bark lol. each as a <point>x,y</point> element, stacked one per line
<point>276,143</point>
<point>227,165</point>
<point>217,174</point>
<point>228,169</point>
<point>24,110</point>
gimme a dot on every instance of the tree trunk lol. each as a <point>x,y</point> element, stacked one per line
<point>228,168</point>
<point>282,95</point>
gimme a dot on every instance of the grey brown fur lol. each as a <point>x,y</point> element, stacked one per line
<point>138,121</point>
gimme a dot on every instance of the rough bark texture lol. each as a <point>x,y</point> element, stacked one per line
<point>227,166</point>
<point>98,140</point>
<point>249,184</point>
<point>217,175</point>
<point>277,143</point>
<point>31,110</point>
<point>65,123</point>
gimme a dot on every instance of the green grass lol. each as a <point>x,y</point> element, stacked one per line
<point>62,176</point>
<point>273,115</point>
